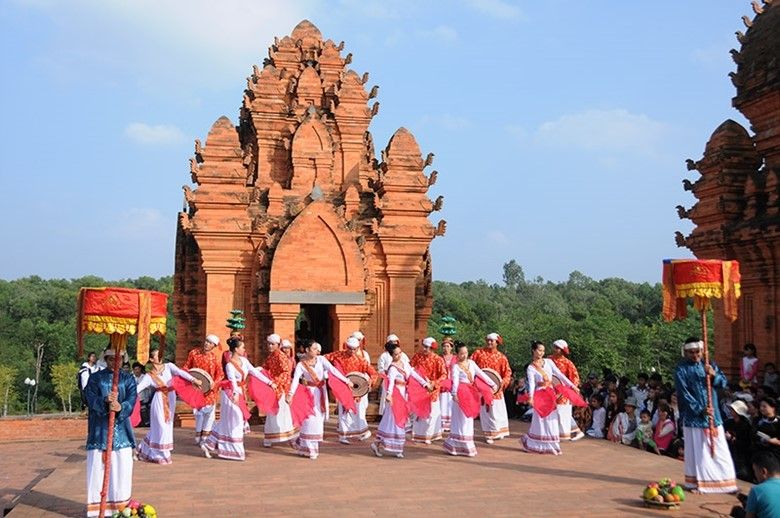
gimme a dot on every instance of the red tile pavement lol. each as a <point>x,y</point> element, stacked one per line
<point>592,478</point>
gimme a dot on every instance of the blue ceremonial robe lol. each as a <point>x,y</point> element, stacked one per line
<point>691,387</point>
<point>97,390</point>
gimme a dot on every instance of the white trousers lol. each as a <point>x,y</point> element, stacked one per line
<point>204,419</point>
<point>704,472</point>
<point>120,481</point>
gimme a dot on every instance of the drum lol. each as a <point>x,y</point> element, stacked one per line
<point>362,383</point>
<point>496,377</point>
<point>205,378</point>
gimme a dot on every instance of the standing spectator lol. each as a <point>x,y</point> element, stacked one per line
<point>144,396</point>
<point>640,391</point>
<point>87,368</point>
<point>593,386</point>
<point>656,382</point>
<point>748,368</point>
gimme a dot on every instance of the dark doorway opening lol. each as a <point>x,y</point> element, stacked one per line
<point>314,323</point>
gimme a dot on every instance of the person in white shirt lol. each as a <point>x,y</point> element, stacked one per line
<point>640,391</point>
<point>599,418</point>
<point>87,368</point>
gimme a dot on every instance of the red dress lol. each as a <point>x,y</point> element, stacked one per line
<point>347,362</point>
<point>568,369</point>
<point>432,367</point>
<point>278,367</point>
<point>209,362</point>
<point>493,359</point>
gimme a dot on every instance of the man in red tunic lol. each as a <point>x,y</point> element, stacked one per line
<point>278,367</point>
<point>431,366</point>
<point>568,427</point>
<point>352,426</point>
<point>493,419</point>
<point>206,358</point>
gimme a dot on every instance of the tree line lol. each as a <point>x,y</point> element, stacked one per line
<point>610,324</point>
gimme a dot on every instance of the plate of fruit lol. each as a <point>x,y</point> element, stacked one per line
<point>663,494</point>
<point>136,509</point>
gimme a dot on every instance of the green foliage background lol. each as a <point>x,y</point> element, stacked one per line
<point>612,323</point>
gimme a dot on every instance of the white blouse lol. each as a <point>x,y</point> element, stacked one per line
<point>534,377</point>
<point>322,369</point>
<point>168,372</point>
<point>394,374</point>
<point>460,376</point>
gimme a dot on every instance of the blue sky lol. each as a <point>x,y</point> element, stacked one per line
<point>560,128</point>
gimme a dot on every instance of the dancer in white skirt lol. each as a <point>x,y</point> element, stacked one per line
<point>544,435</point>
<point>227,437</point>
<point>158,443</point>
<point>464,371</point>
<point>312,371</point>
<point>445,396</point>
<point>279,367</point>
<point>493,418</point>
<point>384,361</point>
<point>432,366</point>
<point>389,436</point>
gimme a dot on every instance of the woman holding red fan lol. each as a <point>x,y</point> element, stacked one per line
<point>544,434</point>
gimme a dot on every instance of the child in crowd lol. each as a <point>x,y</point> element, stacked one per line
<point>599,420</point>
<point>748,368</point>
<point>665,429</point>
<point>644,433</point>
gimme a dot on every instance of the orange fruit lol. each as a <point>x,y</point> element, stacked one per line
<point>669,498</point>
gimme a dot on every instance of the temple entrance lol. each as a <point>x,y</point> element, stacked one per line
<point>314,322</point>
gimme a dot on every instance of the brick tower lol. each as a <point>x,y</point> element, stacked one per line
<point>293,218</point>
<point>737,212</point>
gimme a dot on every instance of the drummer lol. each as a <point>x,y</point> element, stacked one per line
<point>493,419</point>
<point>207,360</point>
<point>352,426</point>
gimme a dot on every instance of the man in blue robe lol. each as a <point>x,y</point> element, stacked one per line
<point>101,402</point>
<point>704,472</point>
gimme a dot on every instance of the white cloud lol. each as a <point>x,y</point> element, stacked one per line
<point>446,121</point>
<point>143,223</point>
<point>497,237</point>
<point>153,134</point>
<point>610,131</point>
<point>441,33</point>
<point>497,9</point>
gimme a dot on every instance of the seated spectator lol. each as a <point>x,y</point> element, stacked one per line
<point>771,377</point>
<point>623,428</point>
<point>767,431</point>
<point>763,501</point>
<point>598,423</point>
<point>656,382</point>
<point>614,405</point>
<point>592,386</point>
<point>738,435</point>
<point>664,432</point>
<point>644,433</point>
<point>651,403</point>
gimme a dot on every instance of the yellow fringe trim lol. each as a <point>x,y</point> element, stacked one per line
<point>712,290</point>
<point>120,325</point>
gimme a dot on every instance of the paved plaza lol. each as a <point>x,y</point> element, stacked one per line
<point>592,478</point>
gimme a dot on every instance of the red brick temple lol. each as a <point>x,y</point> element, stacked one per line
<point>295,221</point>
<point>737,212</point>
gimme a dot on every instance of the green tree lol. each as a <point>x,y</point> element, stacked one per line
<point>8,392</point>
<point>63,376</point>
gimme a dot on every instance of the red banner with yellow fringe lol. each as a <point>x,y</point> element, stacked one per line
<point>702,280</point>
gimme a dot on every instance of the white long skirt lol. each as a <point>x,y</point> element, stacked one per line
<point>564,421</point>
<point>279,427</point>
<point>204,418</point>
<point>461,438</point>
<point>227,437</point>
<point>493,420</point>
<point>428,429</point>
<point>382,402</point>
<point>312,429</point>
<point>704,472</point>
<point>353,426</point>
<point>158,443</point>
<point>542,436</point>
<point>390,436</point>
<point>120,481</point>
<point>445,405</point>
